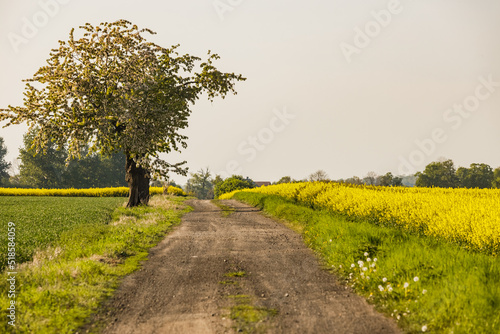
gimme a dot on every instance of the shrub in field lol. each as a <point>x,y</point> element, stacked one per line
<point>174,191</point>
<point>235,182</point>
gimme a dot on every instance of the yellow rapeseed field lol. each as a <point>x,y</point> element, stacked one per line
<point>92,192</point>
<point>470,217</point>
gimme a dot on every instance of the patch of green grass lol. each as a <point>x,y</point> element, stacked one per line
<point>228,282</point>
<point>249,318</point>
<point>241,299</point>
<point>40,221</point>
<point>226,210</point>
<point>449,289</point>
<point>236,274</point>
<point>60,289</point>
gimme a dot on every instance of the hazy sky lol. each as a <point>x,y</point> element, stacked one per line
<point>344,86</point>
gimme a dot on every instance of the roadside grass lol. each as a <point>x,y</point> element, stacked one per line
<point>40,221</point>
<point>66,282</point>
<point>226,209</point>
<point>424,283</point>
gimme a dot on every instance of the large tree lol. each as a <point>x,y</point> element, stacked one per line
<point>112,89</point>
<point>477,176</point>
<point>438,174</point>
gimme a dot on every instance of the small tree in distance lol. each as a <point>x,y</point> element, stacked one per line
<point>319,175</point>
<point>116,92</point>
<point>285,179</point>
<point>235,182</point>
<point>370,178</point>
<point>200,184</point>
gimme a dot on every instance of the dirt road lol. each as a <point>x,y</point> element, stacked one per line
<point>245,273</point>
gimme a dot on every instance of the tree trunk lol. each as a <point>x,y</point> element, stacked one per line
<point>138,182</point>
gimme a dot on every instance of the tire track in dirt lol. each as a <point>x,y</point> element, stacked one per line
<point>210,265</point>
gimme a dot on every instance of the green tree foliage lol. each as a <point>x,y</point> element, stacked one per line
<point>438,174</point>
<point>285,179</point>
<point>4,165</point>
<point>41,170</point>
<point>235,182</point>
<point>384,180</point>
<point>496,178</point>
<point>111,89</point>
<point>200,184</point>
<point>477,176</point>
<point>397,181</point>
<point>389,180</point>
<point>49,170</point>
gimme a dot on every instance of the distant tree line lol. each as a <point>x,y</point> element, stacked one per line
<point>436,174</point>
<point>49,169</point>
<point>443,174</point>
<point>387,180</point>
<point>203,186</point>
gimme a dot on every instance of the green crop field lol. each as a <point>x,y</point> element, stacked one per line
<point>42,221</point>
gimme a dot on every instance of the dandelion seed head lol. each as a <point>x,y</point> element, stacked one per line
<point>384,279</point>
<point>406,285</point>
<point>424,291</point>
<point>415,279</point>
<point>366,254</point>
<point>424,328</point>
